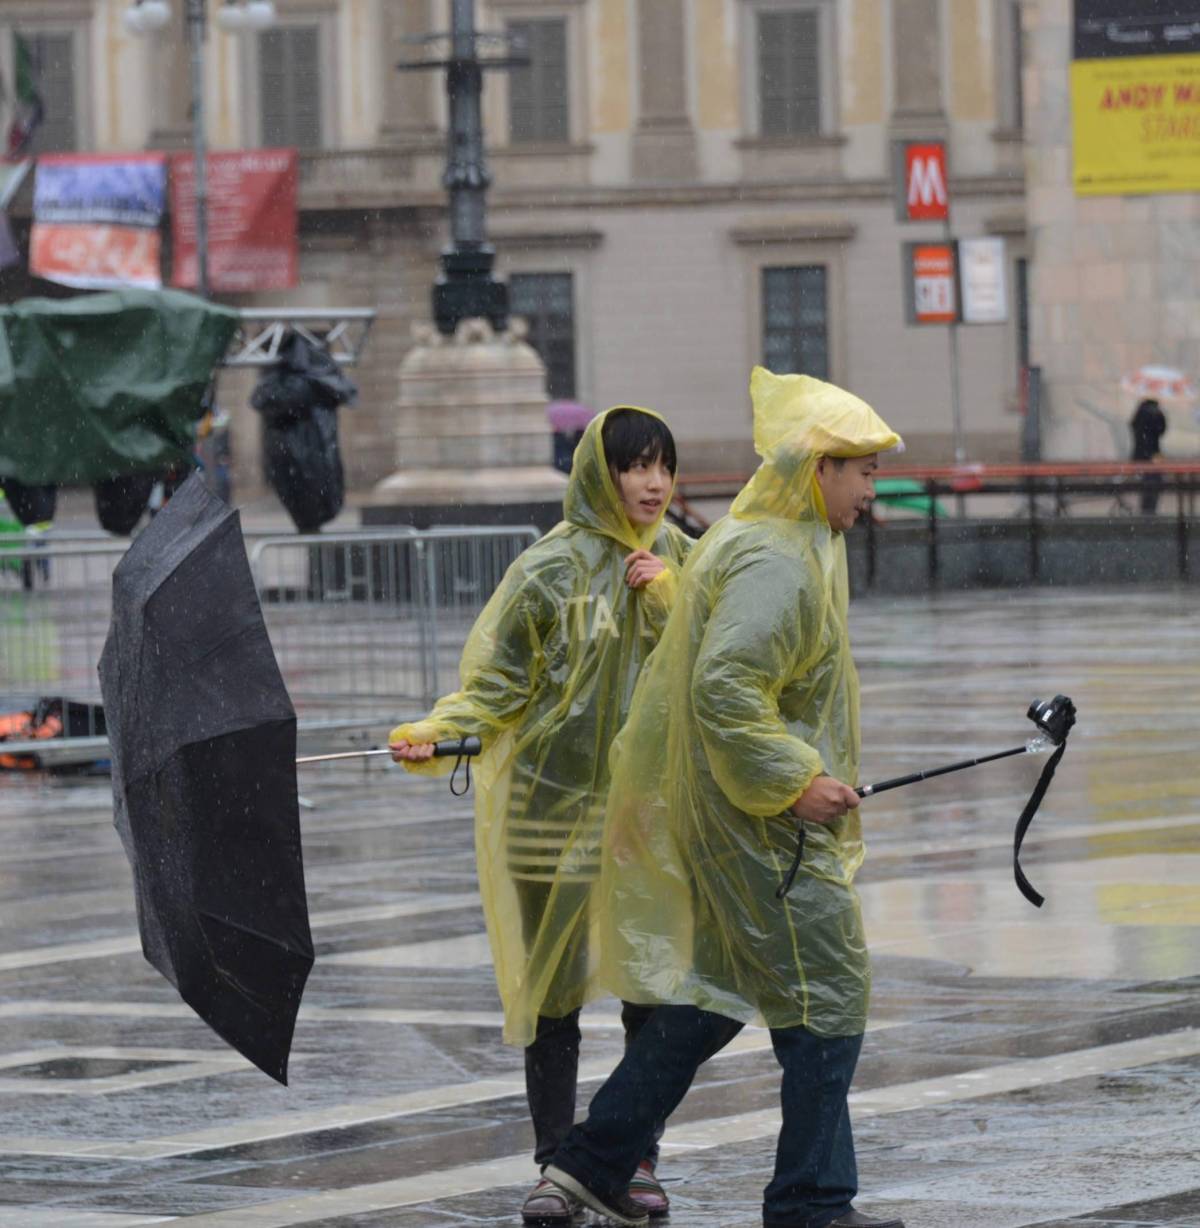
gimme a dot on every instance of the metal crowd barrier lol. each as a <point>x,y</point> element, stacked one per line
<point>367,626</point>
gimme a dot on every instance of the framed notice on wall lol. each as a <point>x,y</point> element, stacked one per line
<point>982,277</point>
<point>1135,97</point>
<point>931,283</point>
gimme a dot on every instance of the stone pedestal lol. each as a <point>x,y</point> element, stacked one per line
<point>473,446</point>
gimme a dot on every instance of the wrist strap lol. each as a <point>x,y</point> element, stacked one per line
<point>1026,888</point>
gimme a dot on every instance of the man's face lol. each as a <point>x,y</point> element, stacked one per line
<point>644,488</point>
<point>848,487</point>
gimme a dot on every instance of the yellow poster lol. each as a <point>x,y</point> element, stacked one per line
<point>1136,122</point>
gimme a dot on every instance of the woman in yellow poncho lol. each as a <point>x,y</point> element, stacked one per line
<point>547,675</point>
<point>743,732</point>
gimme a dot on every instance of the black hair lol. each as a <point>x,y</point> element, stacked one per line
<point>630,435</point>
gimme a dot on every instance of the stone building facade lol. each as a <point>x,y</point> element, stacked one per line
<point>683,188</point>
<point>1115,282</point>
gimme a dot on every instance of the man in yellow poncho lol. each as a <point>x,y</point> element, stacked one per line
<point>743,733</point>
<point>547,675</point>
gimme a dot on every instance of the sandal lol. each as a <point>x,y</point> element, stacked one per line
<point>645,1190</point>
<point>548,1206</point>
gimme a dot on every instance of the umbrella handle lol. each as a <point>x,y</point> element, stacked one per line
<point>464,748</point>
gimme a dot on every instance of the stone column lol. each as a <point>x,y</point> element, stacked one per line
<point>918,109</point>
<point>664,142</point>
<point>408,114</point>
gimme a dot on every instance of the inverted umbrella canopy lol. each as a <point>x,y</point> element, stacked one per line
<point>203,741</point>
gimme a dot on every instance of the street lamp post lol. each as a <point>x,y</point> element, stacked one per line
<point>197,29</point>
<point>234,16</point>
<point>466,288</point>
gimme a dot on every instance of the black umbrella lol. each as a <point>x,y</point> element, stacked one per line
<point>204,781</point>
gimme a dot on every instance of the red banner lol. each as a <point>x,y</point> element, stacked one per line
<point>252,234</point>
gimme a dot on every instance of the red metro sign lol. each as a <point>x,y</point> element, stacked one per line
<point>926,191</point>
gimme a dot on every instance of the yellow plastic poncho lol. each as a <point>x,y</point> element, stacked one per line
<point>750,694</point>
<point>547,675</point>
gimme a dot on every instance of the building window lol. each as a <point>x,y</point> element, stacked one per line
<point>289,86</point>
<point>1018,62</point>
<point>796,320</point>
<point>1010,54</point>
<point>789,73</point>
<point>546,301</point>
<point>538,111</point>
<point>52,60</point>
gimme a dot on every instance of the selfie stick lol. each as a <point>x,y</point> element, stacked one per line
<point>1030,748</point>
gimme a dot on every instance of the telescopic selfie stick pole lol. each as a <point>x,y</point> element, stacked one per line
<point>1039,743</point>
<point>1054,719</point>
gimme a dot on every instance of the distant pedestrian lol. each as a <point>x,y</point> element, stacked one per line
<point>1148,425</point>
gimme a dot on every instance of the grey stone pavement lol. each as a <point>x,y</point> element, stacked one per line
<point>1023,1067</point>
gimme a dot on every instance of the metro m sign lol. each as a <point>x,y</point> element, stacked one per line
<point>926,192</point>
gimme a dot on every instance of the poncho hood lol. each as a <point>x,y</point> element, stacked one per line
<point>592,500</point>
<point>797,420</point>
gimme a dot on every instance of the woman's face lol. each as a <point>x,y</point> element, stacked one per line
<point>644,489</point>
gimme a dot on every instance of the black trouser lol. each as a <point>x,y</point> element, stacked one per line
<point>552,1060</point>
<point>551,1072</point>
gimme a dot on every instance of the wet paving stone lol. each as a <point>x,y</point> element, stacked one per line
<point>1026,1067</point>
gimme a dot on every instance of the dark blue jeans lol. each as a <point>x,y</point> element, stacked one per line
<point>816,1177</point>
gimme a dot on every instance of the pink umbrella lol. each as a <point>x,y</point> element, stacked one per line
<point>1166,383</point>
<point>568,416</point>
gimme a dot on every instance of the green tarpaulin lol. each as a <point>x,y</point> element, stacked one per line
<point>104,385</point>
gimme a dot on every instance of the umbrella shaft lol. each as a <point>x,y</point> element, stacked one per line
<point>462,747</point>
<point>344,754</point>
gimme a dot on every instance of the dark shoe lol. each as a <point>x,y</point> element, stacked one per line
<point>619,1208</point>
<point>645,1190</point>
<point>849,1218</point>
<point>547,1206</point>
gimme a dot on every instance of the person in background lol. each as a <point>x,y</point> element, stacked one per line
<point>1148,425</point>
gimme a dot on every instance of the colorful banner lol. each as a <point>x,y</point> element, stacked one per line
<point>252,220</point>
<point>96,220</point>
<point>1135,98</point>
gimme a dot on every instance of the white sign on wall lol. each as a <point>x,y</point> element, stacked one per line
<point>981,271</point>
